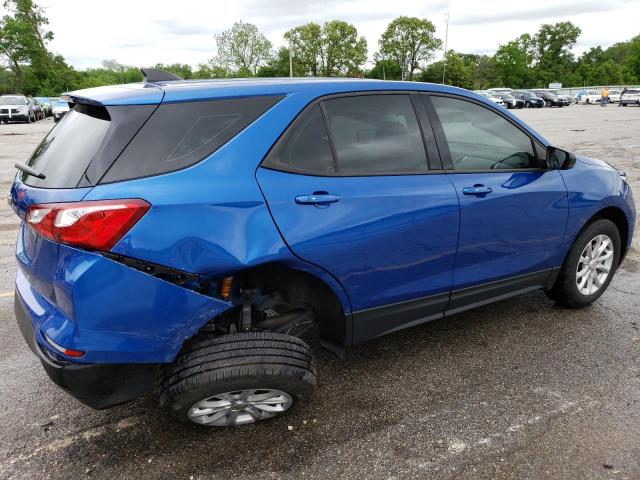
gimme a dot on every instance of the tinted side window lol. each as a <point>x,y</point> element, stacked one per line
<point>179,135</point>
<point>376,134</point>
<point>305,148</point>
<point>480,139</point>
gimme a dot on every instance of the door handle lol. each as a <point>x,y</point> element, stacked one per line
<point>477,190</point>
<point>317,199</point>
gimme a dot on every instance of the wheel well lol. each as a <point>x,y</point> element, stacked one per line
<point>303,287</point>
<point>618,217</point>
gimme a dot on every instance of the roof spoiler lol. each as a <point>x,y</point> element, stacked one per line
<point>153,75</point>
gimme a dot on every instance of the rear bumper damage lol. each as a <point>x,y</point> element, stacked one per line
<point>96,385</point>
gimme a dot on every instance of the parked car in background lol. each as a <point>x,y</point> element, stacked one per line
<point>509,100</point>
<point>550,99</point>
<point>578,96</point>
<point>136,277</point>
<point>565,99</point>
<point>630,97</point>
<point>46,104</point>
<point>590,97</point>
<point>491,96</point>
<point>60,109</point>
<point>530,99</point>
<point>16,108</point>
<point>614,95</point>
<point>38,108</point>
<point>501,90</point>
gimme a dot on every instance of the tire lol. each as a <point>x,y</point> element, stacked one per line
<point>239,362</point>
<point>565,291</point>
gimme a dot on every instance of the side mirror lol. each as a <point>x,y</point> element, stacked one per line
<point>559,159</point>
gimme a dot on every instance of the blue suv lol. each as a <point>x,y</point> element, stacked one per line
<point>182,238</point>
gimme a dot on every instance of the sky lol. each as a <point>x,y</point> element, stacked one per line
<point>136,32</point>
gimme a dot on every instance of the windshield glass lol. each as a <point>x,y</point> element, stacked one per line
<point>12,100</point>
<point>61,103</point>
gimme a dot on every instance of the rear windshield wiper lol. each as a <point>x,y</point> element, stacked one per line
<point>29,171</point>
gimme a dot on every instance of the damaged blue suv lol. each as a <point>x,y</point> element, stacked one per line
<point>182,238</point>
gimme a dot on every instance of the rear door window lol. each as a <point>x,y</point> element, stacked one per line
<point>179,135</point>
<point>376,134</point>
<point>305,149</point>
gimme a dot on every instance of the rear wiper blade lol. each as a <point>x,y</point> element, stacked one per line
<point>29,171</point>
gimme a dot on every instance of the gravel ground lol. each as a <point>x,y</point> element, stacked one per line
<point>518,389</point>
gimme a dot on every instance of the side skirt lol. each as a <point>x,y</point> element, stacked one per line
<point>378,321</point>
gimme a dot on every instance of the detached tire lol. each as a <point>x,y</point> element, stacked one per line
<point>595,251</point>
<point>238,379</point>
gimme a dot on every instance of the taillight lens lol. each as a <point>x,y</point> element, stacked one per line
<point>94,225</point>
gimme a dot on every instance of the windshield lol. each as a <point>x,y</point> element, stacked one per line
<point>61,103</point>
<point>12,100</point>
<point>632,91</point>
<point>592,92</point>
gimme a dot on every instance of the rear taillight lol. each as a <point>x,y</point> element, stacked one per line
<point>94,225</point>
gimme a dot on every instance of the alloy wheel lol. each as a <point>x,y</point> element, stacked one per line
<point>594,265</point>
<point>240,407</point>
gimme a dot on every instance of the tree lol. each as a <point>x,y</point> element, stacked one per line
<point>242,49</point>
<point>385,70</point>
<point>514,61</point>
<point>457,73</point>
<point>211,70</point>
<point>333,49</point>
<point>278,65</point>
<point>23,39</point>
<point>552,46</point>
<point>410,42</point>
<point>183,70</point>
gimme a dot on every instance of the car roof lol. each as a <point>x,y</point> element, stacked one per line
<point>185,90</point>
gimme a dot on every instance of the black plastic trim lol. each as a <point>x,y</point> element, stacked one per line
<point>374,322</point>
<point>467,298</point>
<point>378,321</point>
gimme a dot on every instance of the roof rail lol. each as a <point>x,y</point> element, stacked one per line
<point>152,75</point>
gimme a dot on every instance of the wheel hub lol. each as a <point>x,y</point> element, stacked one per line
<point>240,407</point>
<point>594,265</point>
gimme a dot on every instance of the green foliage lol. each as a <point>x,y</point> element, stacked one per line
<point>457,73</point>
<point>330,50</point>
<point>242,49</point>
<point>514,61</point>
<point>278,65</point>
<point>410,42</point>
<point>385,70</point>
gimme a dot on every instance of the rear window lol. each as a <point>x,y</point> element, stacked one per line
<point>79,149</point>
<point>179,135</point>
<point>65,153</point>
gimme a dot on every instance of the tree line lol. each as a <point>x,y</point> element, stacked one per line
<point>406,50</point>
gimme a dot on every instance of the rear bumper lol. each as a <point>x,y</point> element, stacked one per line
<point>114,313</point>
<point>96,385</point>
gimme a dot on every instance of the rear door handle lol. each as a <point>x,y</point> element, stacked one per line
<point>317,199</point>
<point>477,190</point>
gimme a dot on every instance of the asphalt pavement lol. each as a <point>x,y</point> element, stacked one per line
<point>518,389</point>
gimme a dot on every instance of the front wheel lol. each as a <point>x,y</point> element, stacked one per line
<point>589,266</point>
<point>237,379</point>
